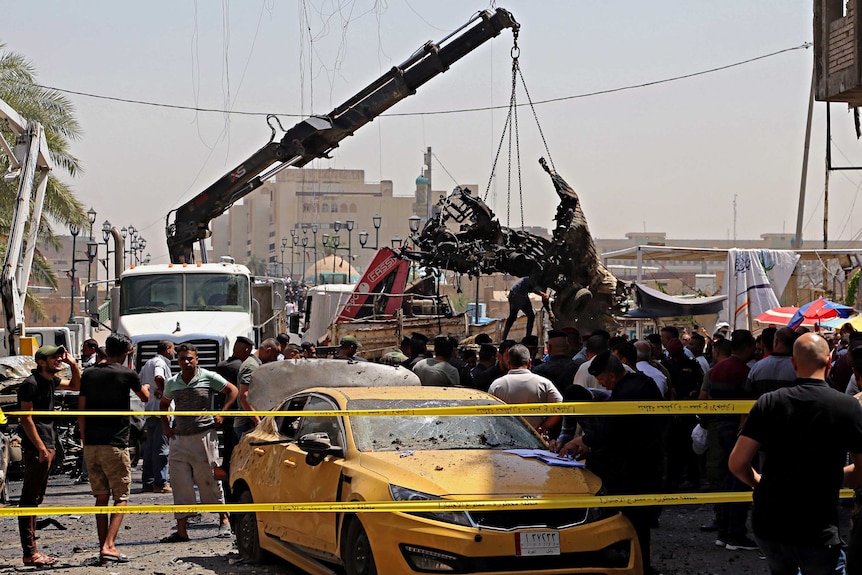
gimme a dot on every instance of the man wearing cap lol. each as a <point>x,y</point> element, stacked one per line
<point>108,387</point>
<point>624,449</point>
<point>437,371</point>
<point>560,368</point>
<point>266,353</point>
<point>347,349</point>
<point>38,442</point>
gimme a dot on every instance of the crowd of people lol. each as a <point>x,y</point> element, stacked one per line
<point>804,425</point>
<point>184,449</point>
<point>792,448</point>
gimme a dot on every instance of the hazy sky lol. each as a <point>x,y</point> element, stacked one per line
<point>669,157</point>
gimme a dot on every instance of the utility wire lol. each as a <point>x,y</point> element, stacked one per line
<point>806,45</point>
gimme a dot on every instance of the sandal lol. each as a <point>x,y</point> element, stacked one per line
<point>105,558</point>
<point>174,538</point>
<point>40,560</point>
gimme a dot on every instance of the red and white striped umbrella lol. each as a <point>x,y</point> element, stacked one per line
<point>782,316</point>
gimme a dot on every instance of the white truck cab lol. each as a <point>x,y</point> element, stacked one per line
<point>208,305</point>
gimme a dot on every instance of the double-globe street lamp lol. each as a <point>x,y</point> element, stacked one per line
<point>283,247</point>
<point>304,255</point>
<point>332,242</point>
<point>377,221</point>
<point>91,253</point>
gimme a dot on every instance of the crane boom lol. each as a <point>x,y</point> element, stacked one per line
<point>316,136</point>
<point>30,163</point>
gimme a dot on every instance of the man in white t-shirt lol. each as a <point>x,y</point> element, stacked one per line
<point>521,385</point>
<point>154,374</point>
<point>596,344</point>
<point>644,366</point>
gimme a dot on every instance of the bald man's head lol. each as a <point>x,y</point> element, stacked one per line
<point>811,356</point>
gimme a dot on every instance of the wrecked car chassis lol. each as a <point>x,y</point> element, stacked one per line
<point>464,236</point>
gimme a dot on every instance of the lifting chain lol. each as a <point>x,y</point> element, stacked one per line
<point>511,132</point>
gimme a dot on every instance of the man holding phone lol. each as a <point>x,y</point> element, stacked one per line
<point>36,393</point>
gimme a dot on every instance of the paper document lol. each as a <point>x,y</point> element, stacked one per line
<point>548,457</point>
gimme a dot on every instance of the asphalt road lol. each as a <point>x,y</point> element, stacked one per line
<point>679,547</point>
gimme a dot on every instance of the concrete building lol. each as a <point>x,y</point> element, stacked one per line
<point>297,201</point>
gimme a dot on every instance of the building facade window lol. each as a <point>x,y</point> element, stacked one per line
<point>325,208</point>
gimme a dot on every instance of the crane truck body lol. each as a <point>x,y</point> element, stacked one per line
<point>146,291</point>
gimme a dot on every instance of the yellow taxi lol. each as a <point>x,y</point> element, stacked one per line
<point>289,459</point>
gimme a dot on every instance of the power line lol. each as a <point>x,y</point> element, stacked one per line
<point>806,45</point>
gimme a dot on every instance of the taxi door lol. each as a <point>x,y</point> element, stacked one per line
<point>302,482</point>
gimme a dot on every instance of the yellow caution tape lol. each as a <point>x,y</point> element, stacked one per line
<point>710,407</point>
<point>403,506</point>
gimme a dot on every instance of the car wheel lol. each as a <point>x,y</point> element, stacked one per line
<point>356,551</point>
<point>245,528</point>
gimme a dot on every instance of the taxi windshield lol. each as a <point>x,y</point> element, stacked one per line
<point>436,432</point>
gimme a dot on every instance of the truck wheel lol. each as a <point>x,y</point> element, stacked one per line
<point>245,528</point>
<point>356,551</point>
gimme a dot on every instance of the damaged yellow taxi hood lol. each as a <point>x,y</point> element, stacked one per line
<point>465,473</point>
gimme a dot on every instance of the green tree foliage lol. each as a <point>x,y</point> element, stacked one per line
<point>19,89</point>
<point>852,289</point>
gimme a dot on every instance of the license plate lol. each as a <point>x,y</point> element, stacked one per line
<point>535,543</point>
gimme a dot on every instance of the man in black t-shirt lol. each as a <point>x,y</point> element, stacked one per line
<point>229,369</point>
<point>804,432</point>
<point>36,393</point>
<point>107,387</point>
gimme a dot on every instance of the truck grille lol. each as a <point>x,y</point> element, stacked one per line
<point>208,353</point>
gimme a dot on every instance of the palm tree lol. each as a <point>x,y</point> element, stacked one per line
<point>55,112</point>
<point>256,265</point>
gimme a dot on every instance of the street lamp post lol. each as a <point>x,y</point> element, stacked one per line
<point>377,220</point>
<point>283,247</point>
<point>304,255</point>
<point>349,224</point>
<point>295,241</point>
<point>414,221</point>
<point>73,229</point>
<point>92,252</point>
<point>314,233</point>
<point>106,236</point>
<point>335,241</point>
<point>91,217</point>
<point>142,243</point>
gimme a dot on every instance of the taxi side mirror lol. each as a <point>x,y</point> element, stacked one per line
<point>317,446</point>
